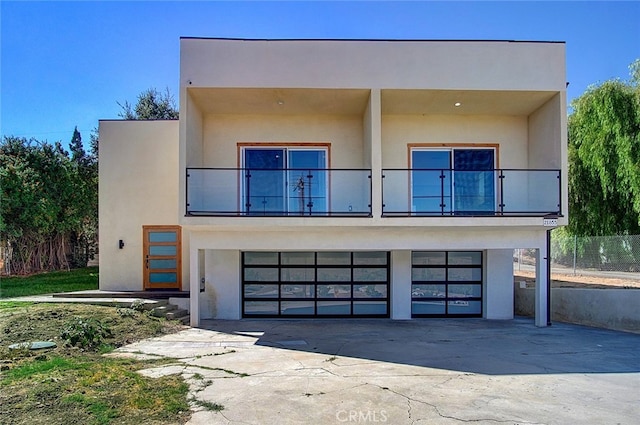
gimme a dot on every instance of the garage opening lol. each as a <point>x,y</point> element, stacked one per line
<point>315,284</point>
<point>446,284</point>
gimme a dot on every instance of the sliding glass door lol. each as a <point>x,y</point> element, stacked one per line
<point>307,181</point>
<point>264,181</point>
<point>453,181</point>
<point>286,181</point>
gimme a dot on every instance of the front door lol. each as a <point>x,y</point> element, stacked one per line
<point>162,257</point>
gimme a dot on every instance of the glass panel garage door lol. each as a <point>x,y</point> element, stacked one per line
<point>315,284</point>
<point>446,284</point>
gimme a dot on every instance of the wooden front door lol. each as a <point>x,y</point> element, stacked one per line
<point>162,260</point>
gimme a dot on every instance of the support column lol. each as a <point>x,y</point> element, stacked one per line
<point>400,285</point>
<point>373,149</point>
<point>194,286</point>
<point>498,293</point>
<point>541,285</point>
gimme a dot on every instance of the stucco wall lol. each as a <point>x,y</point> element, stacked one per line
<point>221,298</point>
<point>223,132</point>
<point>604,308</point>
<point>498,289</point>
<point>547,146</point>
<point>399,130</point>
<point>372,64</point>
<point>138,178</point>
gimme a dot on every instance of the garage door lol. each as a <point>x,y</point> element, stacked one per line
<point>446,284</point>
<point>315,284</point>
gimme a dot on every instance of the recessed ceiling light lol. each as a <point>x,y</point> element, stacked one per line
<point>457,104</point>
<point>280,102</point>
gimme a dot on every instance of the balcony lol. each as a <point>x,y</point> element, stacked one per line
<point>281,192</point>
<point>448,192</point>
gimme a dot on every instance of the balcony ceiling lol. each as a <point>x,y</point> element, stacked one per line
<point>280,101</point>
<point>272,101</point>
<point>472,102</point>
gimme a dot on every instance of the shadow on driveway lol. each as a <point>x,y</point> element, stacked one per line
<point>463,345</point>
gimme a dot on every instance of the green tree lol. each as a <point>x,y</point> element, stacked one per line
<point>151,105</point>
<point>49,201</point>
<point>604,159</point>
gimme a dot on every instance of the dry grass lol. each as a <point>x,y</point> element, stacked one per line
<point>71,385</point>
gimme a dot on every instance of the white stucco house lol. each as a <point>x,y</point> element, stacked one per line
<point>341,178</point>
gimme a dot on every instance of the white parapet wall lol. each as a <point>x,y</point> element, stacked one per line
<point>604,308</point>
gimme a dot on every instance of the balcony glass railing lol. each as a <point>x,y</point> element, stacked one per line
<point>278,192</point>
<point>446,192</point>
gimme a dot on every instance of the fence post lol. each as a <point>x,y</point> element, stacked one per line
<point>575,252</point>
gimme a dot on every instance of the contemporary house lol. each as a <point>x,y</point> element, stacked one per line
<point>341,178</point>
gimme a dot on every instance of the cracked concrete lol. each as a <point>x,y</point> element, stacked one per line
<point>414,372</point>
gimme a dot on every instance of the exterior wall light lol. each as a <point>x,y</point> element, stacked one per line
<point>120,244</point>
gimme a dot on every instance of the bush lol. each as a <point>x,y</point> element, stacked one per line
<point>84,333</point>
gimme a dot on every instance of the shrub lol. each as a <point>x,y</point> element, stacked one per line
<point>84,333</point>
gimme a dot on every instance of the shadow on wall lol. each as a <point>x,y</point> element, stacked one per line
<point>615,309</point>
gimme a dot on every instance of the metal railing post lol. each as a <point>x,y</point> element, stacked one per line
<point>310,203</point>
<point>186,194</point>
<point>501,178</point>
<point>442,204</point>
<point>247,203</point>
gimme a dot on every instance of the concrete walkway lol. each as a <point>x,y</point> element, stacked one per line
<point>403,372</point>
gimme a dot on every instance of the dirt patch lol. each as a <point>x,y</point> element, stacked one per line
<point>72,384</point>
<point>559,280</point>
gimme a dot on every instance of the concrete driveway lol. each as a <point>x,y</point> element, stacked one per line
<point>432,371</point>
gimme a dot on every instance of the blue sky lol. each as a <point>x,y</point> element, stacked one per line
<point>66,64</point>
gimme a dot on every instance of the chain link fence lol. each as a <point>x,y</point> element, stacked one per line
<point>580,254</point>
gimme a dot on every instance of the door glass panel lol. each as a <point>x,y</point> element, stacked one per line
<point>334,307</point>
<point>469,274</point>
<point>163,264</point>
<point>297,291</point>
<point>163,236</point>
<point>334,275</point>
<point>260,307</point>
<point>163,277</point>
<point>369,291</point>
<point>297,258</point>
<point>264,180</point>
<point>457,258</point>
<point>298,275</point>
<point>261,291</point>
<point>369,275</point>
<point>465,291</point>
<point>372,258</point>
<point>262,258</point>
<point>427,307</point>
<point>428,291</point>
<point>428,258</point>
<point>427,275</point>
<point>334,291</point>
<point>369,307</point>
<point>297,307</point>
<point>430,181</point>
<point>261,274</point>
<point>162,250</point>
<point>474,180</point>
<point>465,307</point>
<point>307,181</point>
<point>334,258</point>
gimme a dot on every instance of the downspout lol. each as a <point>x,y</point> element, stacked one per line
<point>549,277</point>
